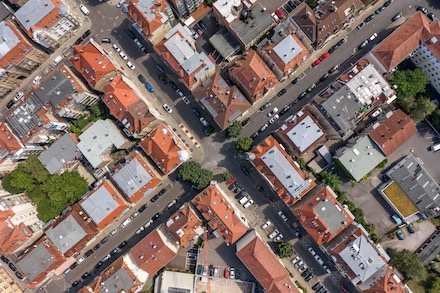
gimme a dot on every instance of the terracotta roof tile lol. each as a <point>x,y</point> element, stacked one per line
<point>393,132</point>
<point>389,283</point>
<point>185,226</point>
<point>8,141</point>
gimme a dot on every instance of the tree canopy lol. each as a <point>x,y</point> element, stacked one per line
<point>284,249</point>
<point>194,173</point>
<point>423,108</point>
<point>234,129</point>
<point>51,193</point>
<point>331,180</point>
<point>435,119</point>
<point>226,176</point>
<point>410,82</point>
<point>244,144</point>
<point>407,262</point>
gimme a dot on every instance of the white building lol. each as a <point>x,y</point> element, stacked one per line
<point>427,58</point>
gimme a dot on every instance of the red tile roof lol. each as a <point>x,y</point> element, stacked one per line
<point>185,226</point>
<point>277,185</point>
<point>153,252</point>
<point>126,106</point>
<point>311,214</point>
<point>389,283</point>
<point>93,63</point>
<point>165,148</point>
<point>225,103</point>
<point>252,75</point>
<point>431,38</point>
<point>49,20</point>
<point>402,42</point>
<point>393,132</point>
<point>12,238</point>
<point>8,141</point>
<point>220,214</point>
<point>259,259</point>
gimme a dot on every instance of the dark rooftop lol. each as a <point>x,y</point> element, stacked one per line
<point>55,89</point>
<point>36,262</point>
<point>23,119</point>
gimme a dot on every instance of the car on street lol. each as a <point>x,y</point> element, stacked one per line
<point>142,78</point>
<point>149,87</point>
<point>18,96</point>
<point>279,237</point>
<point>324,77</point>
<point>410,228</point>
<point>373,36</point>
<point>160,68</point>
<point>342,41</point>
<point>85,275</point>
<point>255,135</point>
<point>369,18</point>
<point>156,216</point>
<point>296,80</point>
<point>20,276</point>
<point>273,112</point>
<point>285,109</point>
<point>309,277</point>
<point>295,259</point>
<point>431,16</point>
<point>106,40</point>
<point>104,240</point>
<point>148,224</point>
<point>10,104</point>
<point>192,257</point>
<point>226,273</point>
<point>203,121</point>
<point>333,69</point>
<point>139,231</point>
<point>266,224</point>
<point>167,108</point>
<point>400,235</point>
<point>37,79</point>
<point>122,244</point>
<point>302,268</point>
<point>246,121</point>
<point>12,267</point>
<point>266,105</point>
<point>302,95</point>
<point>306,272</point>
<point>208,130</point>
<point>397,16</point>
<point>57,60</point>
<point>363,45</point>
<point>248,203</point>
<point>96,247</point>
<point>379,10</point>
<point>86,34</point>
<point>361,25</point>
<point>123,56</point>
<point>154,198</point>
<point>263,128</point>
<point>317,61</point>
<point>131,65</point>
<point>126,222</point>
<point>173,86</point>
<point>244,170</point>
<point>134,215</point>
<point>283,216</point>
<point>161,192</point>
<point>4,259</point>
<point>273,234</point>
<point>79,41</point>
<point>324,56</point>
<point>298,263</point>
<point>74,284</point>
<point>131,35</point>
<point>422,9</point>
<point>116,48</point>
<point>232,273</point>
<point>186,101</point>
<point>279,13</point>
<point>281,92</point>
<point>113,233</point>
<point>317,286</point>
<point>332,49</point>
<point>142,208</point>
<point>386,4</point>
<point>203,25</point>
<point>88,253</point>
<point>274,118</point>
<point>196,112</point>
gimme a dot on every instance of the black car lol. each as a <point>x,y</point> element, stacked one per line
<point>88,253</point>
<point>244,170</point>
<point>246,122</point>
<point>79,41</point>
<point>74,265</point>
<point>145,50</point>
<point>161,192</point>
<point>74,284</point>
<point>232,185</point>
<point>160,68</point>
<point>203,25</point>
<point>154,198</point>
<point>306,272</point>
<point>285,109</point>
<point>156,216</point>
<point>123,243</point>
<point>317,286</point>
<point>208,130</point>
<point>99,264</point>
<point>4,259</point>
<point>20,276</point>
<point>397,16</point>
<point>333,69</point>
<point>104,240</point>
<point>173,86</point>
<point>301,96</point>
<point>12,267</point>
<point>341,42</point>
<point>309,277</point>
<point>10,104</point>
<point>142,208</point>
<point>296,80</point>
<point>114,251</point>
<point>422,9</point>
<point>131,35</point>
<point>386,4</point>
<point>96,247</point>
<point>254,136</point>
<point>332,49</point>
<point>85,275</point>
<point>324,77</point>
<point>142,78</point>
<point>106,40</point>
<point>196,112</point>
<point>410,228</point>
<point>431,16</point>
<point>369,18</point>
<point>86,34</point>
<point>281,92</point>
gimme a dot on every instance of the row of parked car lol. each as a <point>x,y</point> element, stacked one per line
<point>11,266</point>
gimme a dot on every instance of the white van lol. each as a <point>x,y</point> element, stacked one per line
<point>244,199</point>
<point>435,147</point>
<point>125,223</point>
<point>57,60</point>
<point>84,9</point>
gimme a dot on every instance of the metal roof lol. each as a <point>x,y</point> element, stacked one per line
<point>5,11</point>
<point>285,172</point>
<point>287,49</point>
<point>99,204</point>
<point>55,89</point>
<point>417,184</point>
<point>119,281</point>
<point>184,53</point>
<point>361,158</point>
<point>8,40</point>
<point>59,153</point>
<point>331,214</point>
<point>36,262</point>
<point>225,43</point>
<point>66,234</point>
<point>98,138</point>
<point>23,119</point>
<point>362,258</point>
<point>132,177</point>
<point>305,133</point>
<point>33,12</point>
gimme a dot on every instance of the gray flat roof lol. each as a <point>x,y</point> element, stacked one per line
<point>9,40</point>
<point>132,177</point>
<point>418,185</point>
<point>36,262</point>
<point>59,153</point>
<point>362,258</point>
<point>23,119</point>
<point>287,49</point>
<point>5,11</point>
<point>331,214</point>
<point>99,205</point>
<point>55,89</point>
<point>361,158</point>
<point>225,43</point>
<point>305,133</point>
<point>285,172</point>
<point>33,11</point>
<point>247,32</point>
<point>117,282</point>
<point>341,107</point>
<point>66,234</point>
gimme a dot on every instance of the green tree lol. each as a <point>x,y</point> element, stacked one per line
<point>226,176</point>
<point>244,144</point>
<point>434,287</point>
<point>193,172</point>
<point>407,262</point>
<point>284,249</point>
<point>234,129</point>
<point>410,82</point>
<point>22,181</point>
<point>331,180</point>
<point>435,119</point>
<point>204,179</point>
<point>423,108</point>
<point>312,3</point>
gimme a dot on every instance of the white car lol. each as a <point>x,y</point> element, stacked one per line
<point>283,216</point>
<point>303,268</point>
<point>299,263</point>
<point>204,122</point>
<point>273,112</point>
<point>126,222</point>
<point>273,119</point>
<point>312,251</point>
<point>120,3</point>
<point>116,47</point>
<point>57,60</point>
<point>81,260</point>
<point>185,100</point>
<point>139,231</point>
<point>123,56</point>
<point>266,225</point>
<point>180,93</point>
<point>279,237</point>
<point>295,259</point>
<point>373,37</point>
<point>148,224</point>
<point>248,204</point>
<point>232,273</point>
<point>167,108</point>
<point>37,79</point>
<point>131,65</point>
<point>18,96</point>
<point>273,234</point>
<point>113,233</point>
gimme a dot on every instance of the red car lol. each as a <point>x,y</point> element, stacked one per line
<point>314,64</point>
<point>324,56</point>
<point>279,13</point>
<point>226,273</point>
<point>342,287</point>
<point>230,181</point>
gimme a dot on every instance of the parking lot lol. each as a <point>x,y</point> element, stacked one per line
<point>413,241</point>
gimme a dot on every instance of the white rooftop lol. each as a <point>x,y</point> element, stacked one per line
<point>98,138</point>
<point>8,39</point>
<point>362,258</point>
<point>99,204</point>
<point>305,133</point>
<point>32,12</point>
<point>368,84</point>
<point>132,177</point>
<point>174,282</point>
<point>146,6</point>
<point>226,7</point>
<point>287,49</point>
<point>285,172</point>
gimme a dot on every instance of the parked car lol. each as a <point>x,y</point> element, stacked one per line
<point>37,79</point>
<point>312,251</point>
<point>142,208</point>
<point>324,56</point>
<point>88,253</point>
<point>279,13</point>
<point>203,121</point>
<point>302,268</point>
<point>279,237</point>
<point>148,224</point>
<point>431,16</point>
<point>283,216</point>
<point>274,118</point>
<point>324,77</point>
<point>106,40</point>
<point>131,65</point>
<point>126,222</point>
<point>159,68</point>
<point>142,78</point>
<point>113,233</point>
<point>167,108</point>
<point>298,263</point>
<point>85,275</point>
<point>422,9</point>
<point>317,286</point>
<point>86,34</point>
<point>386,4</point>
<point>400,235</point>
<point>273,234</point>
<point>397,16</point>
<point>342,41</point>
<point>306,272</point>
<point>134,215</point>
<point>203,25</point>
<point>266,224</point>
<point>264,127</point>
<point>281,92</point>
<point>317,61</point>
<point>57,60</point>
<point>18,96</point>
<point>296,80</point>
<point>131,35</point>
<point>379,10</point>
<point>361,25</point>
<point>363,45</point>
<point>369,18</point>
<point>273,112</point>
<point>74,284</point>
<point>79,41</point>
<point>309,277</point>
<point>266,105</point>
<point>122,244</point>
<point>12,267</point>
<point>139,231</point>
<point>104,240</point>
<point>226,273</point>
<point>149,87</point>
<point>196,112</point>
<point>156,216</point>
<point>295,259</point>
<point>373,36</point>
<point>246,121</point>
<point>410,228</point>
<point>302,95</point>
<point>248,204</point>
<point>96,247</point>
<point>123,56</point>
<point>333,49</point>
<point>333,69</point>
<point>116,48</point>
